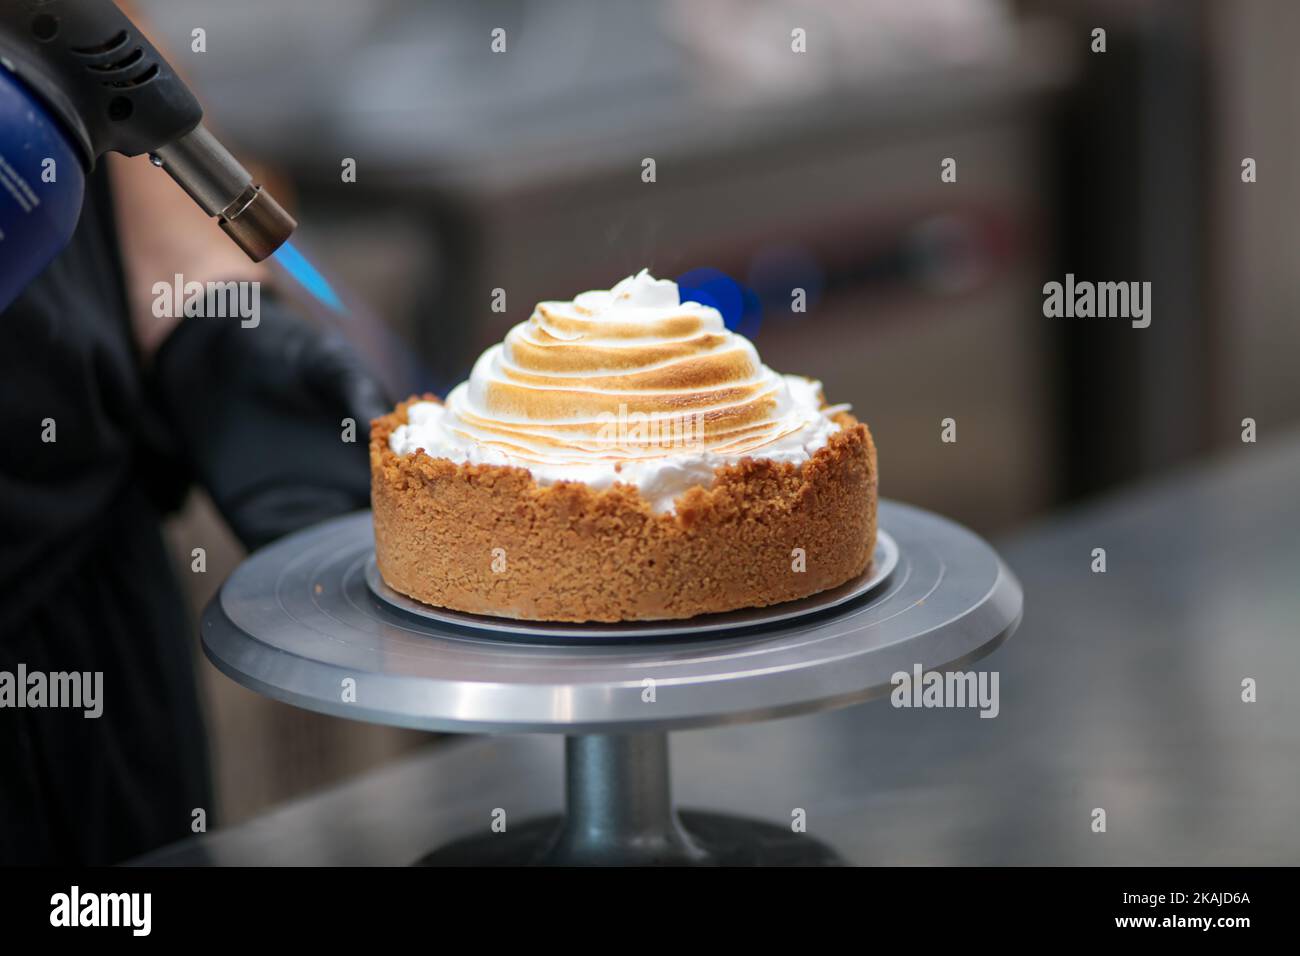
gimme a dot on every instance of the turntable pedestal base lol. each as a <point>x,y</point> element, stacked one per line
<point>620,813</point>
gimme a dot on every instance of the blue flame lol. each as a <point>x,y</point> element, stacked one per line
<point>307,276</point>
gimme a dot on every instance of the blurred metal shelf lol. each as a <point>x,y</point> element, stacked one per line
<point>413,92</point>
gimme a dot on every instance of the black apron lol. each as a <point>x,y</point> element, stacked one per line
<point>86,584</point>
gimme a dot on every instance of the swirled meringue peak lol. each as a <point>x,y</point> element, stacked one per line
<point>624,385</point>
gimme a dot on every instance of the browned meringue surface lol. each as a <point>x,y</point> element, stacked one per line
<point>628,385</point>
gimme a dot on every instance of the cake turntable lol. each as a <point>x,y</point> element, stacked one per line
<point>307,621</point>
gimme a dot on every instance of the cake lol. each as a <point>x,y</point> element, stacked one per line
<point>621,457</point>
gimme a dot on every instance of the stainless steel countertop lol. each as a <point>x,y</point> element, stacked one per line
<point>1121,690</point>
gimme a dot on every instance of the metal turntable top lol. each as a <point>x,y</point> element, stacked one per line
<point>298,622</point>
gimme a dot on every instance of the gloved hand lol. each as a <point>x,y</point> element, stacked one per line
<point>259,416</point>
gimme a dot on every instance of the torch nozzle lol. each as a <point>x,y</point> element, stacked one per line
<point>224,189</point>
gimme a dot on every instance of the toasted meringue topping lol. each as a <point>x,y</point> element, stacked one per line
<point>625,385</point>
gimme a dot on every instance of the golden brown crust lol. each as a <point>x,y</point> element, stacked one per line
<point>488,539</point>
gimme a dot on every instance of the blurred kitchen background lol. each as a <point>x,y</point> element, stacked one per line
<point>522,171</point>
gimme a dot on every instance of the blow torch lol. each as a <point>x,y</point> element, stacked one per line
<point>77,80</point>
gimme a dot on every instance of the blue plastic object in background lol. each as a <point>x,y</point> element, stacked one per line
<point>41,188</point>
<point>740,307</point>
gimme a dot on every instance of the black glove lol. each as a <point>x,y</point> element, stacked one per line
<point>259,415</point>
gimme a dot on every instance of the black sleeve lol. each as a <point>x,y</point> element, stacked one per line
<point>259,414</point>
